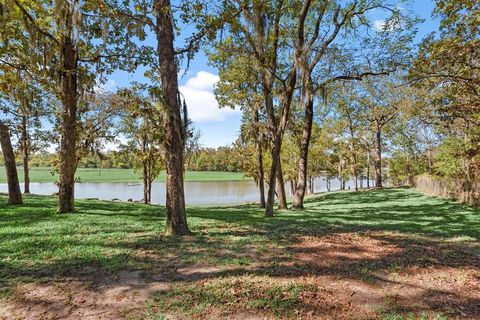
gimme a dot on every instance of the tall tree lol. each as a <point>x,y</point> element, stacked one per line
<point>258,33</point>
<point>74,37</point>
<point>175,134</point>
<point>325,56</point>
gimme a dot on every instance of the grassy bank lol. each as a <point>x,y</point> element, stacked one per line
<point>121,175</point>
<point>390,254</point>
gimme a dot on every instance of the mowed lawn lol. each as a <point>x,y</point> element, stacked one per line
<point>379,254</point>
<point>120,175</point>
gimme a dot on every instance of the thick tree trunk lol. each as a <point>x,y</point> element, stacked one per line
<point>378,158</point>
<point>271,180</point>
<point>260,172</point>
<point>25,154</point>
<point>280,186</point>
<point>303,159</point>
<point>176,223</point>
<point>14,192</point>
<point>68,159</point>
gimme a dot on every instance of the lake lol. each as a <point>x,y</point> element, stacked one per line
<point>196,193</point>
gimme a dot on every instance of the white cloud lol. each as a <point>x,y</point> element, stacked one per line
<point>382,25</point>
<point>201,102</point>
<point>109,85</point>
<point>379,25</point>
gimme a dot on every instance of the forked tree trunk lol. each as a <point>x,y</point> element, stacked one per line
<point>378,158</point>
<point>176,223</point>
<point>280,186</point>
<point>68,159</point>
<point>25,154</point>
<point>14,192</point>
<point>277,132</point>
<point>303,159</point>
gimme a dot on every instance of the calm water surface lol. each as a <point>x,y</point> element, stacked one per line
<point>196,193</point>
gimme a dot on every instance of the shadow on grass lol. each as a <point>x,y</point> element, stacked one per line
<point>104,237</point>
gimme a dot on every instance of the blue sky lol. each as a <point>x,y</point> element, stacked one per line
<point>220,127</point>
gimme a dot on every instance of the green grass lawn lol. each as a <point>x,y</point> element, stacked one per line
<point>121,175</point>
<point>295,265</point>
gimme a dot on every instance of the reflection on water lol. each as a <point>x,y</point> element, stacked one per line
<point>196,193</point>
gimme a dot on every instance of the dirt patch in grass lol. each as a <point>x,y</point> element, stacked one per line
<point>383,254</point>
<point>117,296</point>
<point>379,274</point>
<point>371,275</point>
<point>340,276</point>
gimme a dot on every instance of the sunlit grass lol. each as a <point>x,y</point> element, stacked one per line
<point>121,175</point>
<point>36,244</point>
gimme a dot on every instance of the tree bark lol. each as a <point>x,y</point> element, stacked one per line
<point>260,172</point>
<point>368,169</point>
<point>378,158</point>
<point>303,159</point>
<point>280,186</point>
<point>25,154</point>
<point>146,200</point>
<point>68,159</point>
<point>176,223</point>
<point>14,192</point>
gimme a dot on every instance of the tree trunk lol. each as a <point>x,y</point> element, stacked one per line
<point>25,154</point>
<point>368,169</point>
<point>340,170</point>
<point>150,181</point>
<point>280,186</point>
<point>430,161</point>
<point>260,172</point>
<point>68,159</point>
<point>271,180</point>
<point>303,159</point>
<point>14,192</point>
<point>378,158</point>
<point>176,223</point>
<point>146,200</point>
